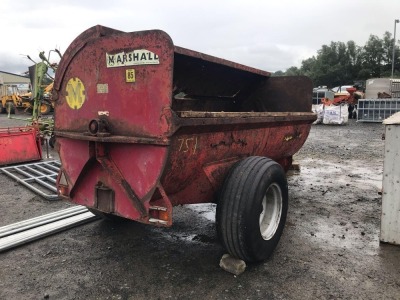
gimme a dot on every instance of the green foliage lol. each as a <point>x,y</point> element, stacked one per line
<point>278,73</point>
<point>292,71</point>
<point>343,63</point>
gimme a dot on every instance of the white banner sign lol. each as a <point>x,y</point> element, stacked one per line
<point>133,58</point>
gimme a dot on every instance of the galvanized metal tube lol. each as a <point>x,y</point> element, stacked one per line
<point>44,222</point>
<point>34,222</point>
<point>33,170</point>
<point>45,230</point>
<point>28,179</point>
<point>39,192</point>
<point>45,184</point>
<point>51,166</point>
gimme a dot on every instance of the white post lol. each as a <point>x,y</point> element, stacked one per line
<point>390,220</point>
<point>394,44</point>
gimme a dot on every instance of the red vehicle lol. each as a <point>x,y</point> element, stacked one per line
<point>143,125</point>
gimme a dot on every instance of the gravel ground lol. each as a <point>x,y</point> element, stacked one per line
<point>330,248</point>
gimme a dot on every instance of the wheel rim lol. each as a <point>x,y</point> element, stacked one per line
<point>271,211</point>
<point>43,108</point>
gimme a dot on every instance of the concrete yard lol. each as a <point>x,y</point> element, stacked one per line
<point>329,250</point>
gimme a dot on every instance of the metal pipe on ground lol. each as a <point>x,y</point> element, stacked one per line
<point>32,234</point>
<point>41,220</point>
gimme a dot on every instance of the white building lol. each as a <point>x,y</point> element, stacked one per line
<point>9,79</point>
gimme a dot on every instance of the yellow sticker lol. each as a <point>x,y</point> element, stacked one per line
<point>75,93</point>
<point>130,75</point>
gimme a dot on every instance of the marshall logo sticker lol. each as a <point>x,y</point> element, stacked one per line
<point>75,93</point>
<point>133,58</point>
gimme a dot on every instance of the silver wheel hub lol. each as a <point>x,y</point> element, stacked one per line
<point>271,211</point>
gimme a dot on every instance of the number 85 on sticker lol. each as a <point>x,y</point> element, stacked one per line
<point>130,75</point>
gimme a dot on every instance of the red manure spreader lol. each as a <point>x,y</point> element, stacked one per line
<point>143,125</point>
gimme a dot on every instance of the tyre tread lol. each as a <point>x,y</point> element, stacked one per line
<point>237,194</point>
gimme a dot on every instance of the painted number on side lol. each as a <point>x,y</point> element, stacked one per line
<point>188,145</point>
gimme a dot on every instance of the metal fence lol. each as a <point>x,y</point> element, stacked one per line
<point>377,110</point>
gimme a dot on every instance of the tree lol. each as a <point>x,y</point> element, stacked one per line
<point>354,58</point>
<point>292,71</point>
<point>342,63</point>
<point>278,73</point>
<point>372,56</point>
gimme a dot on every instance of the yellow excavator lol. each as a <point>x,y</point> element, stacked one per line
<point>12,99</point>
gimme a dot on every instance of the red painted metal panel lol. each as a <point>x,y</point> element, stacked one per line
<point>199,161</point>
<point>132,108</point>
<point>140,164</point>
<point>19,144</point>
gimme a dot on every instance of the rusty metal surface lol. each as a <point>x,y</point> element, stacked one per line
<point>113,139</point>
<point>19,144</point>
<point>77,44</point>
<point>248,116</point>
<point>131,171</point>
<point>227,121</point>
<point>283,94</point>
<point>103,157</point>
<point>219,61</point>
<point>131,108</point>
<point>164,132</point>
<point>210,83</point>
<point>199,160</point>
<point>204,86</point>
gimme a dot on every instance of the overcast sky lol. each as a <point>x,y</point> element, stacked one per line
<point>270,35</point>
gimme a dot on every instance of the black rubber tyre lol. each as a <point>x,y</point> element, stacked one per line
<point>254,198</point>
<point>45,108</point>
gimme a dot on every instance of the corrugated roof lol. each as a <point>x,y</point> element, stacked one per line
<point>19,75</point>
